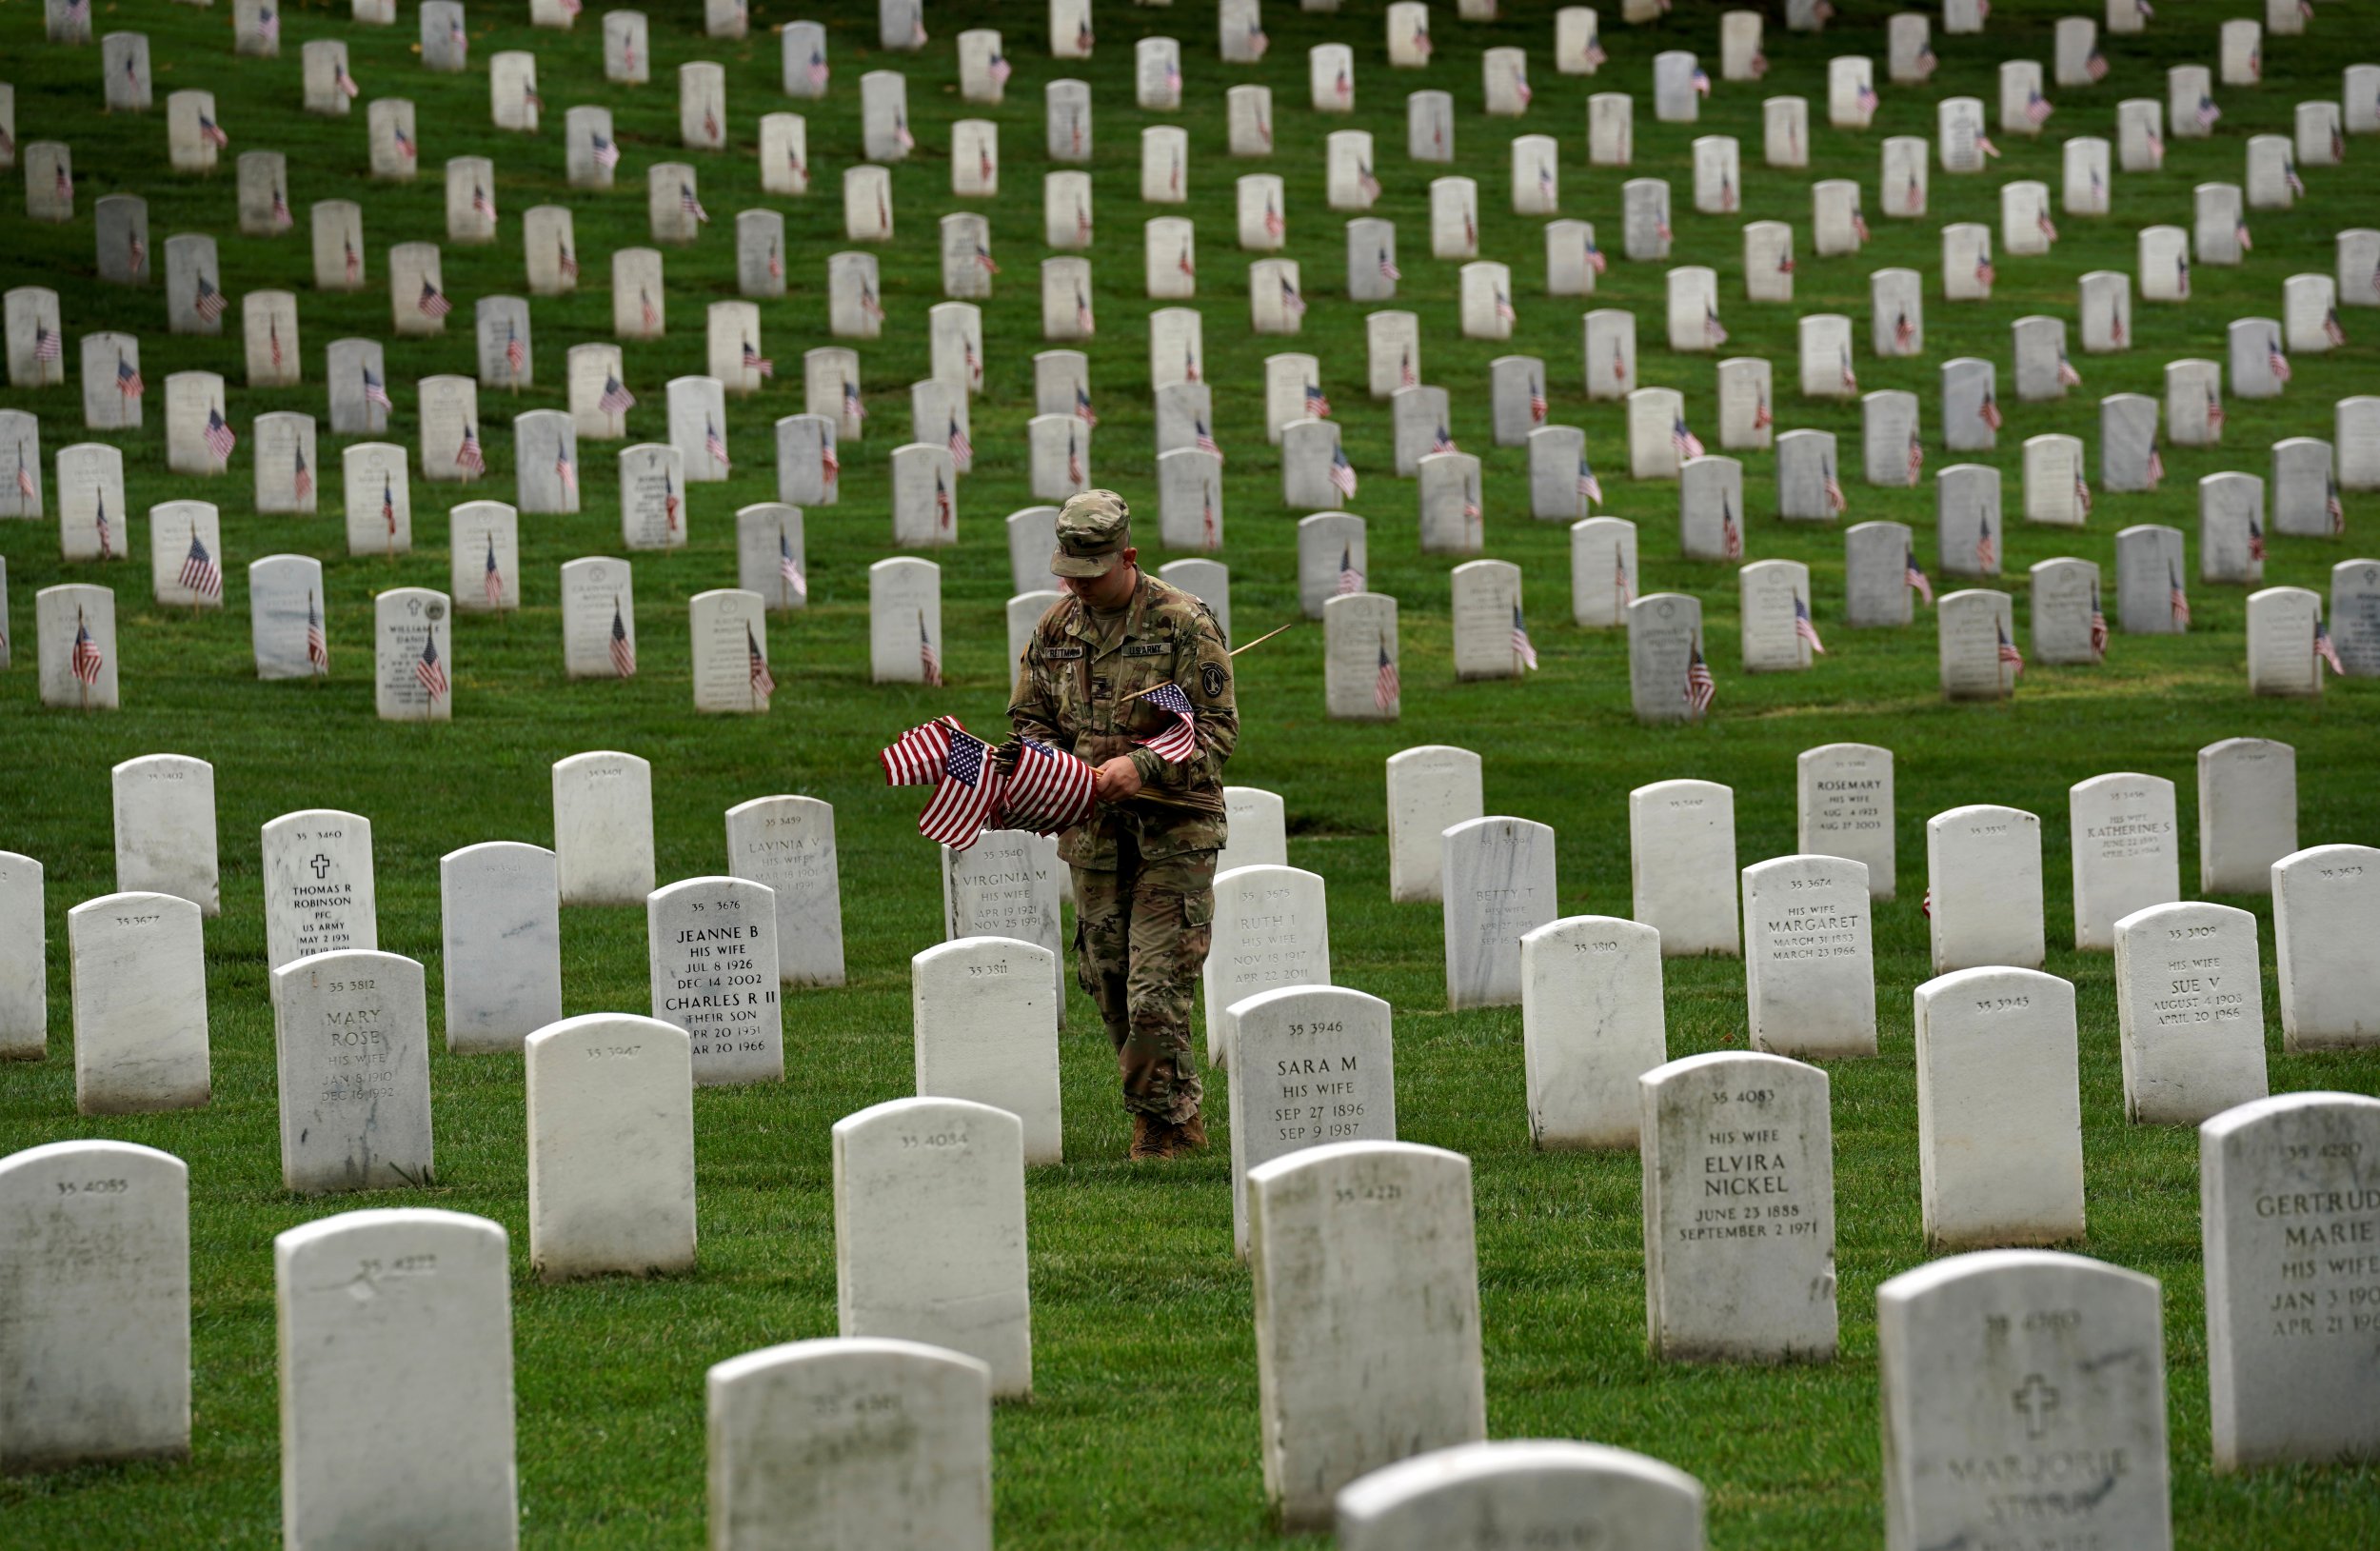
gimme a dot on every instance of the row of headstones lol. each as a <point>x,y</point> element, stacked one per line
<point>1365,1272</point>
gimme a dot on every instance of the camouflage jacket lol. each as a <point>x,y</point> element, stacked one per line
<point>1071,694</point>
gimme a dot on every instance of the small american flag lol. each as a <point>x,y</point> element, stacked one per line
<point>516,352</point>
<point>1913,575</point>
<point>62,187</point>
<point>2156,150</point>
<point>1593,53</point>
<point>2067,375</point>
<point>1700,688</point>
<point>1350,580</point>
<point>2096,65</point>
<point>1210,526</point>
<point>1805,627</point>
<point>1175,181</point>
<point>1858,223</point>
<point>799,168</point>
<point>565,470</point>
<point>355,259</point>
<point>789,567</point>
<point>668,501</point>
<point>468,456</point>
<point>46,344</point>
<point>1370,186</point>
<point>1686,442</point>
<point>219,436</point>
<point>1179,741</point>
<point>1421,45</point>
<point>2277,363</point>
<point>972,363</point>
<point>1081,223</point>
<point>983,259</point>
<point>565,263</point>
<point>1713,330</point>
<point>272,331</point>
<point>427,670</point>
<point>388,505</point>
<point>713,443</point>
<point>2208,113</point>
<point>345,83</point>
<point>1727,187</point>
<point>1596,260</point>
<point>404,142</point>
<point>1731,536</point>
<point>1388,266</point>
<point>1083,411</point>
<point>1257,42</point>
<point>929,659</point>
<point>2157,467</point>
<point>944,518</point>
<point>107,539</point>
<point>1867,97</point>
<point>1761,418</point>
<point>128,378</point>
<point>1000,68</point>
<point>1082,315</point>
<point>1987,552</point>
<point>317,644</point>
<point>2009,654</point>
<point>2289,174</point>
<point>2116,323</point>
<point>1318,405</point>
<point>958,766</point>
<point>1914,196</point>
<point>2214,416</point>
<point>432,302</point>
<point>1444,443</point>
<point>2099,629</point>
<point>480,204</point>
<point>818,68</point>
<point>1048,792</point>
<point>2082,494</point>
<point>1622,589</point>
<point>852,408</point>
<point>301,477</point>
<point>2043,224</point>
<point>757,666</point>
<point>456,37</point>
<point>616,400</point>
<point>1523,653</point>
<point>211,133</point>
<point>1834,496</point>
<point>282,219</point>
<point>606,151</point>
<point>1916,458</point>
<point>961,450</point>
<point>2177,602</point>
<point>1274,225</point>
<point>2331,328</point>
<point>691,205</point>
<point>1386,688</point>
<point>138,249</point>
<point>754,361</point>
<point>531,101</point>
<point>1590,487</point>
<point>2036,109</point>
<point>1471,506</point>
<point>2327,650</point>
<point>710,124</point>
<point>25,485</point>
<point>1537,407</point>
<point>84,662</point>
<point>1851,379</point>
<point>1345,89</point>
<point>1205,438</point>
<point>491,578</point>
<point>1990,413</point>
<point>1406,375</point>
<point>1292,304</point>
<point>209,303</point>
<point>1074,459</point>
<point>1342,474</point>
<point>1904,334</point>
<point>2336,508</point>
<point>1784,264</point>
<point>1985,273</point>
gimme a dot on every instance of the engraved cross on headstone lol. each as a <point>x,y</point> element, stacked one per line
<point>2037,1398</point>
<point>321,865</point>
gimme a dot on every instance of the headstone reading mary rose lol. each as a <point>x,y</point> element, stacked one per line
<point>711,946</point>
<point>138,972</point>
<point>95,1318</point>
<point>611,1147</point>
<point>1739,1209</point>
<point>351,1035</point>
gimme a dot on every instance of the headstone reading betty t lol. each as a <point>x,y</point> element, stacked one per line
<point>1739,1209</point>
<point>611,1147</point>
<point>711,945</point>
<point>95,1318</point>
<point>1497,886</point>
<point>931,1232</point>
<point>501,932</point>
<point>2029,1373</point>
<point>1591,1024</point>
<point>1367,1329</point>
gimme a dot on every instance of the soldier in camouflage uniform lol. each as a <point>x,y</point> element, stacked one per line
<point>1144,864</point>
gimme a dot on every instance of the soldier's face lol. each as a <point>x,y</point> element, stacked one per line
<point>1111,590</point>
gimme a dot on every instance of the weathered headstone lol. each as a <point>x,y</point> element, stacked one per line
<point>351,1037</point>
<point>2247,813</point>
<point>1983,889</point>
<point>2000,1109</point>
<point>1271,930</point>
<point>2190,1011</point>
<point>1496,885</point>
<point>503,943</point>
<point>138,972</point>
<point>24,953</point>
<point>1592,1024</point>
<point>2322,905</point>
<point>165,828</point>
<point>1682,866</point>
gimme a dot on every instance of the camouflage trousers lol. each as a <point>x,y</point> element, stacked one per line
<point>1140,940</point>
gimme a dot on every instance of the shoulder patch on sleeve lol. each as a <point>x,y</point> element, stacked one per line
<point>1212,680</point>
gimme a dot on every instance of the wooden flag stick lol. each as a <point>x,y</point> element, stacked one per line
<point>1235,652</point>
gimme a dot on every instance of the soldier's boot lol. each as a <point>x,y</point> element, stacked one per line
<point>1190,1135</point>
<point>1150,1136</point>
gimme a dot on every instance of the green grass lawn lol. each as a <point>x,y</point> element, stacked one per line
<point>1144,1429</point>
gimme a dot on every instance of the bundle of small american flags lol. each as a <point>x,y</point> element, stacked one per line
<point>1024,786</point>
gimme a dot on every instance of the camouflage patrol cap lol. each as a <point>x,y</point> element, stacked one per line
<point>1093,531</point>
